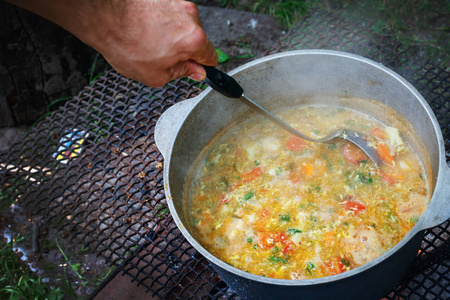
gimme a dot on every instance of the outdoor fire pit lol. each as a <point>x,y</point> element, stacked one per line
<point>92,171</point>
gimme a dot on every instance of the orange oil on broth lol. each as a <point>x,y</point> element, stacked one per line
<point>274,205</point>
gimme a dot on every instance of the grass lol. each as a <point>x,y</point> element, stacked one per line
<point>285,12</point>
<point>5,201</point>
<point>17,281</point>
<point>75,269</point>
<point>421,23</point>
<point>92,76</point>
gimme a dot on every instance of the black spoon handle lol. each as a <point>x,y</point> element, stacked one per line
<point>223,83</point>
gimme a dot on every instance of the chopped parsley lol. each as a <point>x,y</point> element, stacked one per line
<point>413,220</point>
<point>277,259</point>
<point>293,231</point>
<point>365,179</point>
<point>285,218</point>
<point>392,217</point>
<point>248,196</point>
<point>309,267</point>
<point>278,171</point>
<point>345,262</point>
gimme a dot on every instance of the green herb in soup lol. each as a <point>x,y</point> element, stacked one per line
<point>275,205</point>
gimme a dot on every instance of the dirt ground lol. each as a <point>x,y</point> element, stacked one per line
<point>243,36</point>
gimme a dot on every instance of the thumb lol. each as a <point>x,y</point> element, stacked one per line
<point>190,69</point>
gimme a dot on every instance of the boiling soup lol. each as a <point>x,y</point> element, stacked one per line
<point>272,204</point>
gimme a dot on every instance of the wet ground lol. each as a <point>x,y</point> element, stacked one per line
<point>55,256</point>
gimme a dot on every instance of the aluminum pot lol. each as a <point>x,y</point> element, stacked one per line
<point>291,79</point>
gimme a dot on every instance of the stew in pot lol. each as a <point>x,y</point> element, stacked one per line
<point>274,205</point>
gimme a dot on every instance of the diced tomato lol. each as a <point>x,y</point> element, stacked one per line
<point>377,132</point>
<point>385,154</point>
<point>262,218</point>
<point>341,264</point>
<point>334,266</point>
<point>354,154</point>
<point>296,144</point>
<point>283,238</point>
<point>223,200</point>
<point>233,186</point>
<point>264,214</point>
<point>352,204</point>
<point>289,247</point>
<point>267,240</point>
<point>252,175</point>
<point>391,178</point>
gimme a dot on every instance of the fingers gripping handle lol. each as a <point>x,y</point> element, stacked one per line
<point>223,83</point>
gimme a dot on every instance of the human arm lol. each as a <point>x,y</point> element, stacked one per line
<point>152,41</point>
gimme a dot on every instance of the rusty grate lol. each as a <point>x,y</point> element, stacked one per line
<point>110,196</point>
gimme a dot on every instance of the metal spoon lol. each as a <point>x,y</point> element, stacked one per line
<point>228,87</point>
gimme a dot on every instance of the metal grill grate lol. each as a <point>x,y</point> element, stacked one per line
<point>110,195</point>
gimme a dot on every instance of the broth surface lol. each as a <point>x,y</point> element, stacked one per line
<point>269,203</point>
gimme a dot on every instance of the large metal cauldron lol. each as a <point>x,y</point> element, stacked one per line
<point>291,79</point>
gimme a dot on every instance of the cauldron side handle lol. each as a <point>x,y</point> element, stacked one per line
<point>170,122</point>
<point>439,209</point>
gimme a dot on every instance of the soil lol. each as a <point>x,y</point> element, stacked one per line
<point>43,248</point>
<point>243,36</point>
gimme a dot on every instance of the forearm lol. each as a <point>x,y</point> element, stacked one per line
<point>152,41</point>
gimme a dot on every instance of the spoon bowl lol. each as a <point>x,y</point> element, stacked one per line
<point>227,86</point>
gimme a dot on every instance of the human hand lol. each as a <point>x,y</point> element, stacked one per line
<point>151,41</point>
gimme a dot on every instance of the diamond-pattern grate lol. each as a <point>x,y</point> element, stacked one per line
<point>111,195</point>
